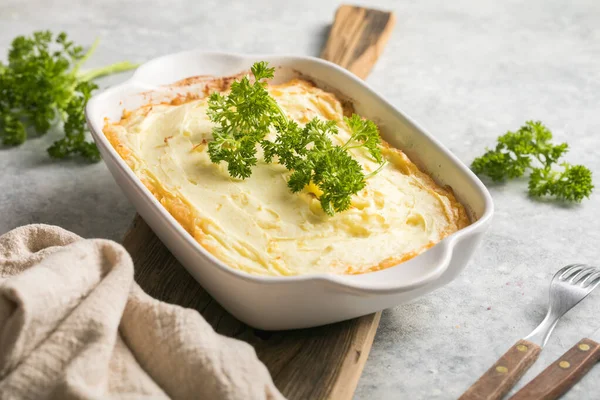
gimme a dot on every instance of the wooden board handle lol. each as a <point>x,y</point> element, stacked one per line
<point>357,38</point>
<point>503,375</point>
<point>562,374</point>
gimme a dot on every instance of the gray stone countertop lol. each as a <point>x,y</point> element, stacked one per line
<point>467,70</point>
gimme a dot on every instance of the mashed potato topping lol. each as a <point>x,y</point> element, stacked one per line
<point>258,225</point>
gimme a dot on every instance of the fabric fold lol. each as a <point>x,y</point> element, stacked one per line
<point>74,325</point>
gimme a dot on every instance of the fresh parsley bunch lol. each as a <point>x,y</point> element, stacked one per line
<point>247,114</point>
<point>530,149</point>
<point>42,83</point>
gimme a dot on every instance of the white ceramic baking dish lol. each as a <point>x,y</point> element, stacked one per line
<point>309,300</point>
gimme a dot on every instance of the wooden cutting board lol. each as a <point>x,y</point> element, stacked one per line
<point>317,363</point>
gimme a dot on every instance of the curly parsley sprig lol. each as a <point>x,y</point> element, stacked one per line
<point>312,157</point>
<point>42,83</point>
<point>243,119</point>
<point>531,149</point>
<point>248,113</point>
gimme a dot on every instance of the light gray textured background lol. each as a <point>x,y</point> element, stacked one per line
<point>466,70</point>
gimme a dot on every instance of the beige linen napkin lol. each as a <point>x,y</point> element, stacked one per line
<point>74,325</point>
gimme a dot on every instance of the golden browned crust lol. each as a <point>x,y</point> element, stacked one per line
<point>196,226</point>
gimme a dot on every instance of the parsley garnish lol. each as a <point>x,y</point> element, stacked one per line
<point>41,83</point>
<point>248,113</point>
<point>517,152</point>
<point>244,117</point>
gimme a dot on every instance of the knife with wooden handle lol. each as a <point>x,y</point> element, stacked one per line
<point>565,372</point>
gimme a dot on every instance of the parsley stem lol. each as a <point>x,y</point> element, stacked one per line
<point>346,147</point>
<point>86,56</point>
<point>370,174</point>
<point>107,70</point>
<point>279,109</point>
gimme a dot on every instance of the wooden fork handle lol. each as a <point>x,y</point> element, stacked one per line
<point>562,374</point>
<point>502,376</point>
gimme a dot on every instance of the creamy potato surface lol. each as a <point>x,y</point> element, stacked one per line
<point>257,225</point>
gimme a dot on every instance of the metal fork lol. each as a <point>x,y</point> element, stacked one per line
<point>569,286</point>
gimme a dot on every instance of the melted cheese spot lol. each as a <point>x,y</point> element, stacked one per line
<point>257,225</point>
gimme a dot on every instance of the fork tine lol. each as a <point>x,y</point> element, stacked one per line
<point>569,270</point>
<point>579,276</point>
<point>582,273</point>
<point>590,279</point>
<point>593,285</point>
<point>563,271</point>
